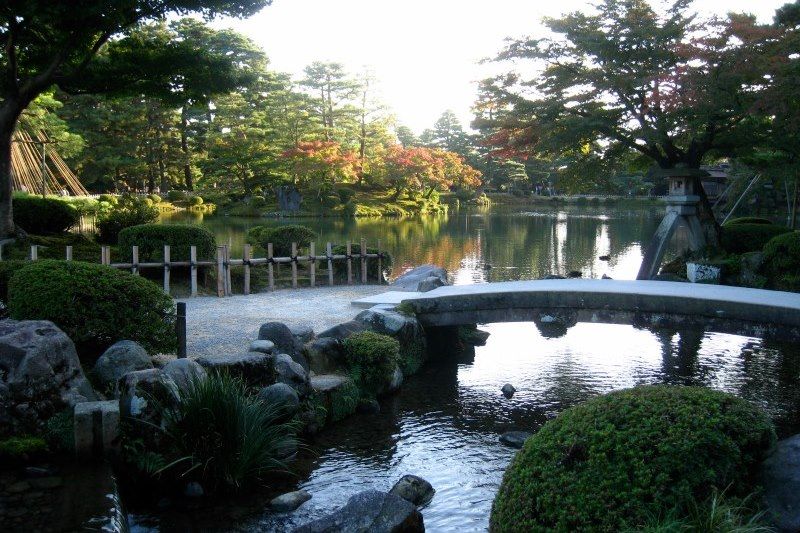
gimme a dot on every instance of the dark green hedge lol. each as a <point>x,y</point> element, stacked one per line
<point>782,261</point>
<point>748,220</point>
<point>7,269</point>
<point>748,237</point>
<point>617,461</point>
<point>151,239</point>
<point>95,305</point>
<point>44,216</point>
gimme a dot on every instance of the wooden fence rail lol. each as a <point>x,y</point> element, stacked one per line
<point>222,264</point>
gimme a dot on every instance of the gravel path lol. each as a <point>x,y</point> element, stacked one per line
<point>228,325</point>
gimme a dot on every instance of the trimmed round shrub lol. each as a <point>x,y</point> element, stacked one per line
<point>151,239</point>
<point>371,358</point>
<point>176,196</point>
<point>95,305</point>
<point>129,211</point>
<point>746,237</point>
<point>748,220</point>
<point>281,238</point>
<point>340,266</point>
<point>782,261</point>
<point>618,460</point>
<point>107,198</point>
<point>44,216</point>
<point>196,200</point>
<point>154,198</point>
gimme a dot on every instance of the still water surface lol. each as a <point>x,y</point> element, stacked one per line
<point>445,422</point>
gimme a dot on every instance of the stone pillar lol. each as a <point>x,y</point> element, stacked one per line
<point>685,204</point>
<point>96,427</point>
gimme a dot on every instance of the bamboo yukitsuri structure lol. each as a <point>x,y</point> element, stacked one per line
<point>223,263</point>
<point>37,168</point>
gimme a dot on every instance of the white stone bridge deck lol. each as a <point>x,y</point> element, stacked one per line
<point>643,303</point>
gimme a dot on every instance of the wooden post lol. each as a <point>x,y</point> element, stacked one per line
<point>312,264</point>
<point>228,291</point>
<point>166,268</point>
<point>246,264</point>
<point>193,267</point>
<point>330,263</point>
<point>34,252</point>
<point>135,260</point>
<point>349,264</point>
<point>380,265</point>
<point>364,261</point>
<point>69,253</point>
<point>180,329</point>
<point>270,268</point>
<point>105,255</point>
<point>294,265</point>
<point>220,271</point>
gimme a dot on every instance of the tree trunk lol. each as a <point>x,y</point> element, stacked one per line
<point>793,221</point>
<point>187,167</point>
<point>7,228</point>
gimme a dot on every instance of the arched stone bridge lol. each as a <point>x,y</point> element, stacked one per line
<point>718,308</point>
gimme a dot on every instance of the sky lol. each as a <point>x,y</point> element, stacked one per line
<point>424,53</point>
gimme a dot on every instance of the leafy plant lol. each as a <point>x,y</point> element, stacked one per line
<point>127,212</point>
<point>43,216</point>
<point>95,305</point>
<point>224,436</point>
<point>151,239</point>
<point>749,237</point>
<point>617,460</point>
<point>21,447</point>
<point>782,261</point>
<point>371,358</point>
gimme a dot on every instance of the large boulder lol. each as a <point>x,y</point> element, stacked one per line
<point>324,354</point>
<point>413,489</point>
<point>370,511</point>
<point>344,330</point>
<point>282,395</point>
<point>144,395</point>
<point>119,359</point>
<point>183,372</point>
<point>337,394</point>
<point>780,478</point>
<point>290,501</point>
<point>430,283</point>
<point>256,369</point>
<point>302,333</point>
<point>411,280</point>
<point>40,375</point>
<point>280,334</point>
<point>289,372</point>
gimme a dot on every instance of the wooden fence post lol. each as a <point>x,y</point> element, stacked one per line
<point>246,264</point>
<point>180,329</point>
<point>34,252</point>
<point>69,253</point>
<point>270,269</point>
<point>220,271</point>
<point>364,261</point>
<point>380,266</point>
<point>349,263</point>
<point>105,255</point>
<point>228,290</point>
<point>330,263</point>
<point>135,260</point>
<point>294,265</point>
<point>312,265</point>
<point>193,267</point>
<point>166,268</point>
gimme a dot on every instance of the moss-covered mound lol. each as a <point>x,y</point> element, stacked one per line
<point>617,461</point>
<point>748,220</point>
<point>371,359</point>
<point>748,237</point>
<point>782,261</point>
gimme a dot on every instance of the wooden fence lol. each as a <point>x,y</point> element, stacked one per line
<point>223,263</point>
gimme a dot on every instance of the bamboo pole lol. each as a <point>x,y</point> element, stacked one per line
<point>364,261</point>
<point>135,260</point>
<point>193,267</point>
<point>270,268</point>
<point>312,265</point>
<point>246,263</point>
<point>220,271</point>
<point>294,265</point>
<point>330,263</point>
<point>166,268</point>
<point>349,264</point>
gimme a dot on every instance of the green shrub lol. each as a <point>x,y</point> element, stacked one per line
<point>782,261</point>
<point>95,305</point>
<point>582,200</point>
<point>7,269</point>
<point>176,195</point>
<point>196,200</point>
<point>340,266</point>
<point>19,448</point>
<point>748,220</point>
<point>151,239</point>
<point>107,198</point>
<point>281,238</point>
<point>615,461</point>
<point>371,359</point>
<point>345,194</point>
<point>156,199</point>
<point>746,237</point>
<point>44,216</point>
<point>224,436</point>
<point>129,211</point>
<point>258,202</point>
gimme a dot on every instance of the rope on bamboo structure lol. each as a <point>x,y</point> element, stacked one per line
<point>26,167</point>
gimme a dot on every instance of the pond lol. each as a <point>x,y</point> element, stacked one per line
<point>445,422</point>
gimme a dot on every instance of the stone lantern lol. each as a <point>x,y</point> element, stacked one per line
<point>683,207</point>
